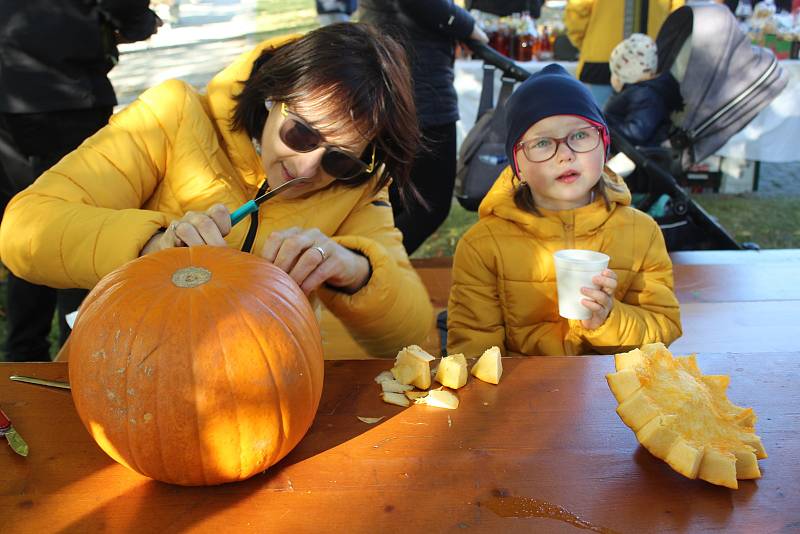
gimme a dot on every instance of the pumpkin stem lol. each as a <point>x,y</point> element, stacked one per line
<point>191,277</point>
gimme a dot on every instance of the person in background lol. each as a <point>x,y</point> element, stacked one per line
<point>332,11</point>
<point>429,29</point>
<point>595,27</point>
<point>54,93</point>
<point>558,194</point>
<point>641,108</point>
<point>333,108</point>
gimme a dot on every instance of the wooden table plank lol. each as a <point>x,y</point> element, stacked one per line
<point>695,280</point>
<point>547,432</point>
<point>739,327</point>
<point>737,282</point>
<point>723,257</point>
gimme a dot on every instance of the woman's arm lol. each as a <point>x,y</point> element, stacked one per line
<point>134,20</point>
<point>474,315</point>
<point>81,219</point>
<point>440,16</point>
<point>392,309</point>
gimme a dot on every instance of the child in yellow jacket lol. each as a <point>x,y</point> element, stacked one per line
<point>557,194</point>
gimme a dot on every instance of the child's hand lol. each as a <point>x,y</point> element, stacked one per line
<point>601,300</point>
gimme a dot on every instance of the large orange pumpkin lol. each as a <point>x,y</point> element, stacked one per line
<point>196,366</point>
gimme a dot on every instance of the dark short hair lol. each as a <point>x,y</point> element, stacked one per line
<point>361,73</point>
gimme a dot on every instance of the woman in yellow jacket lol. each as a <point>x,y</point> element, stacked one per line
<point>558,195</point>
<point>334,107</point>
<point>595,27</point>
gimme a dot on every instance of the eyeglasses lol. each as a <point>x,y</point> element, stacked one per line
<point>300,137</point>
<point>543,148</point>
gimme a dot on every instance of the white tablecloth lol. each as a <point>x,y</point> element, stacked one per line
<point>772,136</point>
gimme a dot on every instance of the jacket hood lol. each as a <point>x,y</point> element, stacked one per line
<point>499,202</point>
<point>221,91</point>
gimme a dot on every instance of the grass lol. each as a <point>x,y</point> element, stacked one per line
<point>769,221</point>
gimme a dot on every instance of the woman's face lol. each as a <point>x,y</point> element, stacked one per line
<point>565,180</point>
<point>282,164</point>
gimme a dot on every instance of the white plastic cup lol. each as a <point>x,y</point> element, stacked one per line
<point>574,270</point>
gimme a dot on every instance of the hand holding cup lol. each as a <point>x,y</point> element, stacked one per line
<point>599,301</point>
<point>585,286</point>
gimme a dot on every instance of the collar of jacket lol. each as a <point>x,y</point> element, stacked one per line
<point>220,92</point>
<point>499,202</point>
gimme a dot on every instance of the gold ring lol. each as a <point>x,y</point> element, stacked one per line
<point>321,252</point>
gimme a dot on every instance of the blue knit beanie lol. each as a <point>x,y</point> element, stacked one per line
<point>551,91</point>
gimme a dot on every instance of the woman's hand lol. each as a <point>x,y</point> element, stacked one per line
<point>599,301</point>
<point>194,228</point>
<point>311,258</point>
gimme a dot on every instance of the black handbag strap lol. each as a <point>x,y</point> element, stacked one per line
<point>251,233</point>
<point>505,90</point>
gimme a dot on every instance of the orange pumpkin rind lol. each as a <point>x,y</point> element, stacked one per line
<point>684,417</point>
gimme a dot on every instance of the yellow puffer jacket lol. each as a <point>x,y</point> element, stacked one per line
<point>172,151</point>
<point>595,27</point>
<point>504,284</point>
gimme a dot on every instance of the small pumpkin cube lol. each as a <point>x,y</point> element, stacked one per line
<point>452,371</point>
<point>489,366</point>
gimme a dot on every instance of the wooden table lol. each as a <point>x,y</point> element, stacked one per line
<point>546,436</point>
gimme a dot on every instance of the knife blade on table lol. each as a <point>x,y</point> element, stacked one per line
<point>13,437</point>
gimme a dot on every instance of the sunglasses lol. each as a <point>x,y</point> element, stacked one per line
<point>300,137</point>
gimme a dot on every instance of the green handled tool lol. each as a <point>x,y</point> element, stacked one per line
<point>251,206</point>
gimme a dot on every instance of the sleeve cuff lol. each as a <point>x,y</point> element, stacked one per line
<point>378,289</point>
<point>599,333</point>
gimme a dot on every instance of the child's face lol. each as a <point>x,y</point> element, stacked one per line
<point>565,180</point>
<point>616,84</point>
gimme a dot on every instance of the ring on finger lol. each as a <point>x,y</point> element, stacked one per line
<point>321,252</point>
<point>174,226</point>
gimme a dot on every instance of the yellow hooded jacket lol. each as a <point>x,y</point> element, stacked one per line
<point>595,27</point>
<point>504,283</point>
<point>172,151</point>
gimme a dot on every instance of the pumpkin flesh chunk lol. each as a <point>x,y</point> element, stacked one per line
<point>489,367</point>
<point>685,417</point>
<point>413,366</point>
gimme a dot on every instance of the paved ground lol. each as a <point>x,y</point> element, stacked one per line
<point>211,33</point>
<point>780,179</point>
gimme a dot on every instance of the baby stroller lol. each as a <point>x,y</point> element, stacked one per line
<point>724,82</point>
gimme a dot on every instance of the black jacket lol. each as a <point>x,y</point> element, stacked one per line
<point>55,54</point>
<point>429,29</point>
<point>640,112</point>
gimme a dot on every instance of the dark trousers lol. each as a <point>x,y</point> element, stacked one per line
<point>29,145</point>
<point>433,175</point>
